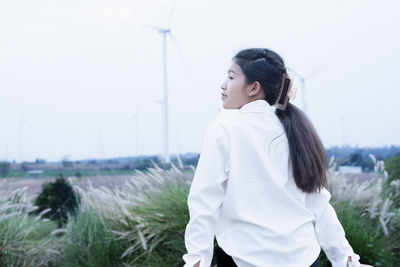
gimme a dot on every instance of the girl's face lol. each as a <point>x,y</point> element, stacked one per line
<point>234,94</point>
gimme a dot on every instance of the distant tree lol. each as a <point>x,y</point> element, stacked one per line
<point>192,161</point>
<point>126,167</point>
<point>4,168</point>
<point>39,161</point>
<point>392,166</point>
<point>367,165</point>
<point>355,159</point>
<point>343,153</point>
<point>66,162</point>
<point>24,166</point>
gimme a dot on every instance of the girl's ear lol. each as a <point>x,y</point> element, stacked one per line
<point>254,89</point>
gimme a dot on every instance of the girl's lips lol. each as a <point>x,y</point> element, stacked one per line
<point>223,96</point>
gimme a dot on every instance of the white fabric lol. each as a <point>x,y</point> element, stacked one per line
<point>243,192</point>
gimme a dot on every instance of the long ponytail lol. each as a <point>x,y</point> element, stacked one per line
<point>307,153</point>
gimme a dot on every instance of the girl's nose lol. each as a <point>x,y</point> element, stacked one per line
<point>223,85</point>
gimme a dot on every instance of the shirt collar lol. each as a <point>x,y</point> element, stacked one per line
<point>257,106</point>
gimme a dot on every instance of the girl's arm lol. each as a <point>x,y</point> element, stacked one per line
<point>331,237</point>
<point>206,196</point>
<point>329,231</point>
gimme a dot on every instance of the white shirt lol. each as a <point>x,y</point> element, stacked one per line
<point>244,194</point>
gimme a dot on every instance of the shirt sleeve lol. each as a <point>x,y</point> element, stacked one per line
<point>329,231</point>
<point>205,196</point>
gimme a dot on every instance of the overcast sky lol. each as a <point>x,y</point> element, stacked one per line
<point>77,72</point>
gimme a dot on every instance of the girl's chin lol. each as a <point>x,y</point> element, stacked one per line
<point>225,106</point>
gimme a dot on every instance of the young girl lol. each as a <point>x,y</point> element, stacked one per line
<point>259,182</point>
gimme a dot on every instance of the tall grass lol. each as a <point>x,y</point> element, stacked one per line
<point>140,225</point>
<point>143,223</point>
<point>25,240</point>
<point>368,215</point>
<point>88,241</point>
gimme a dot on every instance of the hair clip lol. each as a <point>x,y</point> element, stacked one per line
<point>292,93</point>
<point>283,97</point>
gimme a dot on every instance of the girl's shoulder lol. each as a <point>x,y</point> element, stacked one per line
<point>226,120</point>
<point>226,116</point>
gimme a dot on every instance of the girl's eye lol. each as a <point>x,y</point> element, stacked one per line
<point>230,78</point>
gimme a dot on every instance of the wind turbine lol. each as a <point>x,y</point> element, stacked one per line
<point>343,130</point>
<point>7,152</point>
<point>177,129</point>
<point>303,83</point>
<point>100,145</point>
<point>164,102</point>
<point>21,121</point>
<point>135,117</point>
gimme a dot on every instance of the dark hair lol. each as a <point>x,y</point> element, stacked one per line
<point>307,153</point>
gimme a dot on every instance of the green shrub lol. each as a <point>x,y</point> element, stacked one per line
<point>141,225</point>
<point>392,166</point>
<point>373,246</point>
<point>25,240</point>
<point>89,242</point>
<point>60,197</point>
<point>164,216</point>
<point>4,168</point>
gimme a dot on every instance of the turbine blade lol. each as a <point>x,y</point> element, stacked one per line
<point>155,100</point>
<point>159,29</point>
<point>180,53</point>
<point>171,13</point>
<point>295,73</point>
<point>97,130</point>
<point>317,70</point>
<point>23,121</point>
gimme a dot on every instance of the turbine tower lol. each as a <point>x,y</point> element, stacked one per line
<point>303,83</point>
<point>100,147</point>
<point>135,118</point>
<point>22,121</point>
<point>343,130</point>
<point>164,102</point>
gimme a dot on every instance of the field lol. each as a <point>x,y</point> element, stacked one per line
<point>139,220</point>
<point>98,179</point>
<point>34,185</point>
